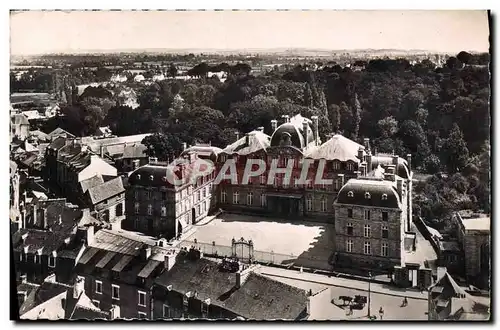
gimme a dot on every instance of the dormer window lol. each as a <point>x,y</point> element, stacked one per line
<point>138,176</point>
<point>350,194</point>
<point>151,178</point>
<point>367,195</point>
<point>384,197</point>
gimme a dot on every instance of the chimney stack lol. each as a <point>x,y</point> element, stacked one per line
<point>184,146</point>
<point>274,125</point>
<point>361,154</point>
<point>305,127</point>
<point>408,157</point>
<point>367,144</point>
<point>237,135</point>
<point>247,139</point>
<point>90,235</point>
<point>315,129</point>
<point>35,214</point>
<point>146,252</point>
<point>136,163</point>
<point>362,170</point>
<point>260,129</point>
<point>101,151</point>
<point>369,162</point>
<point>78,287</point>
<point>286,118</point>
<point>166,263</point>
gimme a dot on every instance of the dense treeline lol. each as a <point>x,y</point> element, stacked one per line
<point>439,115</point>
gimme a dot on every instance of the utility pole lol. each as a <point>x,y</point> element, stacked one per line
<point>369,293</point>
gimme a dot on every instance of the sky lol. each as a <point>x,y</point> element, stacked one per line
<point>37,32</point>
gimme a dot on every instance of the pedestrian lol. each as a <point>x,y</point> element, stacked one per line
<point>405,302</point>
<point>381,312</point>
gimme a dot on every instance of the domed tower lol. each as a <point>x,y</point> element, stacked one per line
<point>295,132</point>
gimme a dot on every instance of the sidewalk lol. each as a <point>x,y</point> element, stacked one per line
<point>341,282</point>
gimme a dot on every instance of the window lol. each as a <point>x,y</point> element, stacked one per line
<point>367,195</point>
<point>136,208</point>
<point>137,223</point>
<point>350,194</point>
<point>166,311</point>
<point>136,194</point>
<point>96,303</point>
<point>142,298</point>
<point>367,231</point>
<point>385,232</point>
<point>236,197</point>
<point>349,213</point>
<point>185,301</point>
<point>250,198</point>
<point>142,315</point>
<point>367,248</point>
<point>384,197</point>
<point>204,192</point>
<point>52,261</point>
<point>148,194</point>
<point>349,245</point>
<point>163,211</point>
<point>337,184</point>
<point>263,200</point>
<point>350,166</point>
<point>350,229</point>
<point>367,214</point>
<point>336,165</point>
<point>385,216</point>
<point>198,195</point>
<point>37,259</point>
<point>385,250</point>
<point>115,291</point>
<point>323,205</point>
<point>309,204</point>
<point>207,190</point>
<point>163,195</point>
<point>223,196</point>
<point>98,287</point>
<point>150,209</point>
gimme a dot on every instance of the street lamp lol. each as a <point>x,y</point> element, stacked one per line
<point>369,292</point>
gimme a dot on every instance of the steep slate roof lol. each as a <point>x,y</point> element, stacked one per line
<point>91,182</point>
<point>257,140</point>
<point>376,188</point>
<point>202,276</point>
<point>106,190</point>
<point>262,298</point>
<point>337,147</point>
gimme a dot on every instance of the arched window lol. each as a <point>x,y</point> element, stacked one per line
<point>151,178</point>
<point>350,194</point>
<point>384,197</point>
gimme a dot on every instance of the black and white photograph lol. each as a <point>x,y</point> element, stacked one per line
<point>250,165</point>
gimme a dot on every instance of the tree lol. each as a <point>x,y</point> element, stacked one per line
<point>172,71</point>
<point>162,146</point>
<point>454,150</point>
<point>334,113</point>
<point>388,127</point>
<point>464,57</point>
<point>432,164</point>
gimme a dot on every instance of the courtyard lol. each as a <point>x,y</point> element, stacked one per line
<point>306,244</point>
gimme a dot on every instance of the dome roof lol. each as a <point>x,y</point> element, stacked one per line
<point>291,134</point>
<point>402,169</point>
<point>376,193</point>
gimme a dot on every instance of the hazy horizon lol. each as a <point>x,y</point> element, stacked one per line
<point>79,32</point>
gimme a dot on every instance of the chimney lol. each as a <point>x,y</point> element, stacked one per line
<point>146,252</point>
<point>136,163</point>
<point>369,162</point>
<point>35,213</point>
<point>59,219</point>
<point>274,125</point>
<point>362,169</point>
<point>23,278</point>
<point>184,146</point>
<point>308,304</point>
<point>90,235</point>
<point>78,287</point>
<point>341,176</point>
<point>242,275</point>
<point>166,263</point>
<point>286,118</point>
<point>395,160</point>
<point>260,129</point>
<point>400,188</point>
<point>315,129</point>
<point>101,151</point>
<point>305,127</point>
<point>115,312</point>
<point>367,144</point>
<point>408,157</point>
<point>389,173</point>
<point>361,153</point>
<point>153,160</point>
<point>44,219</point>
<point>247,139</point>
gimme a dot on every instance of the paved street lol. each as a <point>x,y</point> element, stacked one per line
<point>390,299</point>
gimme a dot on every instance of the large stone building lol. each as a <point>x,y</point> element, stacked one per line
<point>292,153</point>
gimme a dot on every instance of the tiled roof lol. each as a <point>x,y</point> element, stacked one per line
<point>375,188</point>
<point>337,147</point>
<point>58,143</point>
<point>91,182</point>
<point>202,276</point>
<point>256,141</point>
<point>135,151</point>
<point>46,291</point>
<point>261,298</point>
<point>106,190</point>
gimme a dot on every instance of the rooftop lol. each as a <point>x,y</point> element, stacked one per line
<point>106,190</point>
<point>475,221</point>
<point>256,140</point>
<point>337,147</point>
